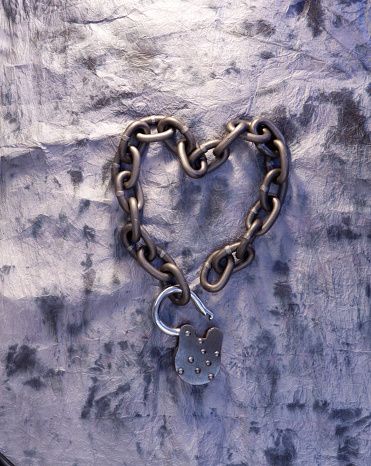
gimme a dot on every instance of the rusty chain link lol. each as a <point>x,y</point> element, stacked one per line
<point>192,157</point>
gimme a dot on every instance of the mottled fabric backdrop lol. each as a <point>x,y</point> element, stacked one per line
<point>86,377</point>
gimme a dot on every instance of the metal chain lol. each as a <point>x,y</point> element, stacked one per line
<point>192,157</point>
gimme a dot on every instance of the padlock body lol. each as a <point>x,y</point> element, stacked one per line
<point>197,360</point>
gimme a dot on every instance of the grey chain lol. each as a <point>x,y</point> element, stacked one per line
<point>233,257</point>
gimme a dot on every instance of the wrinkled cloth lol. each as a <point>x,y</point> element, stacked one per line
<point>86,376</point>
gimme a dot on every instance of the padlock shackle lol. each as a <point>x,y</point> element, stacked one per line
<point>156,309</point>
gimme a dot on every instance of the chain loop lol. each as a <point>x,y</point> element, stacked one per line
<point>134,219</point>
<point>248,238</point>
<point>131,248</point>
<point>265,186</point>
<point>185,163</point>
<point>183,129</point>
<point>155,137</point>
<point>225,261</point>
<point>254,126</point>
<point>230,137</point>
<point>250,137</point>
<point>151,269</point>
<point>225,276</point>
<point>130,132</point>
<point>135,171</point>
<point>269,221</point>
<point>120,194</point>
<point>284,161</point>
<point>180,299</point>
<point>200,152</point>
<point>228,250</point>
<point>249,257</point>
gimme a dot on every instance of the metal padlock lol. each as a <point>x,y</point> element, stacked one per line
<point>197,360</point>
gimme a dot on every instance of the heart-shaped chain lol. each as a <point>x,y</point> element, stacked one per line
<point>133,144</point>
<point>226,261</point>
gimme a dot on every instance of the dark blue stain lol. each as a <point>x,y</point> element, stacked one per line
<point>84,205</point>
<point>295,405</point>
<point>350,2</point>
<point>11,10</point>
<point>37,226</point>
<point>108,347</point>
<point>197,392</point>
<point>346,220</point>
<point>315,16</point>
<point>102,406</point>
<point>10,118</point>
<point>320,406</point>
<point>88,279</point>
<point>351,123</point>
<point>254,429</point>
<point>283,291</point>
<point>187,254</point>
<point>349,448</point>
<point>273,376</point>
<point>283,453</point>
<point>260,27</point>
<point>76,177</point>
<point>32,453</point>
<point>119,250</point>
<point>5,269</point>
<point>163,432</point>
<point>340,430</point>
<point>295,9</point>
<point>105,100</point>
<point>265,343</point>
<point>20,360</point>
<point>89,233</point>
<point>307,113</point>
<point>36,383</point>
<point>281,268</point>
<point>139,449</point>
<point>345,415</point>
<point>51,307</point>
<point>233,68</point>
<point>124,345</point>
<point>99,363</point>
<point>90,63</point>
<point>87,263</point>
<point>106,172</point>
<point>368,89</point>
<point>90,399</point>
<point>63,226</point>
<point>163,357</point>
<point>363,420</point>
<point>147,379</point>
<point>285,122</point>
<point>266,55</point>
<point>75,328</point>
<point>338,232</point>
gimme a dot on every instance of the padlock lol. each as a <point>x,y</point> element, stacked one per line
<point>197,359</point>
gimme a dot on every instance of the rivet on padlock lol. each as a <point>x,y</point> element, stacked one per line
<point>197,360</point>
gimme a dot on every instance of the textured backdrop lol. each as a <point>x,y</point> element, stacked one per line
<point>86,377</point>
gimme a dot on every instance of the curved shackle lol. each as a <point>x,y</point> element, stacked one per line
<point>156,308</point>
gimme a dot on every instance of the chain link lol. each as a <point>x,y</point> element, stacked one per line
<point>195,162</point>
